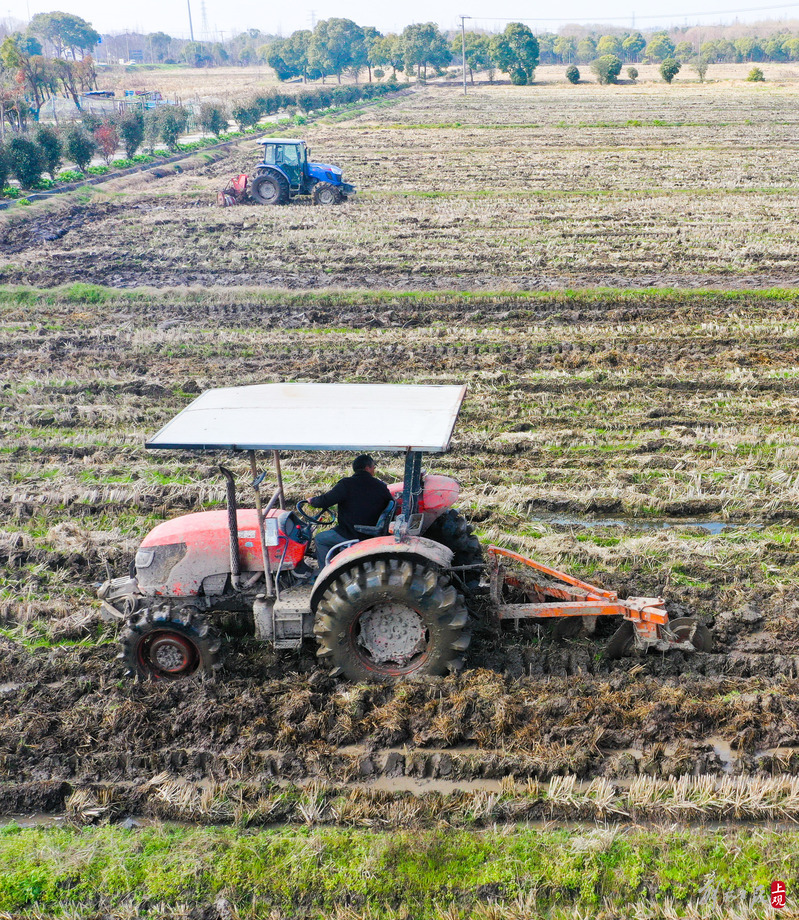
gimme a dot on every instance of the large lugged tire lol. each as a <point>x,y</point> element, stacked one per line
<point>454,531</point>
<point>159,644</point>
<point>387,619</point>
<point>270,188</point>
<point>326,194</point>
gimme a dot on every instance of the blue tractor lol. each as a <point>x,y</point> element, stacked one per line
<point>285,173</point>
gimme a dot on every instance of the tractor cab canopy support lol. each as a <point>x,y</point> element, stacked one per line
<point>412,486</point>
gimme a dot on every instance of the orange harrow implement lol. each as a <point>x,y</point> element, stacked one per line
<point>235,192</point>
<point>550,593</point>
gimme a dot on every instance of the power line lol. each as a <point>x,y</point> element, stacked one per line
<point>693,13</point>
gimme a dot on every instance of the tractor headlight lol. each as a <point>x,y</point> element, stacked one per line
<point>144,558</point>
<point>330,176</point>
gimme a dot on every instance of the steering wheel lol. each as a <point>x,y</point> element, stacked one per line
<point>325,517</point>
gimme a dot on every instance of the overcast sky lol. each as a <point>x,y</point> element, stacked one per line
<point>235,15</point>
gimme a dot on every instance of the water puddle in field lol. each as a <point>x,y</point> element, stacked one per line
<point>42,819</point>
<point>784,752</point>
<point>712,527</point>
<point>593,828</point>
<point>36,819</point>
<point>724,752</point>
<point>365,749</point>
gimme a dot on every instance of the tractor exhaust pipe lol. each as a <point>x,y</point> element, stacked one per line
<point>233,528</point>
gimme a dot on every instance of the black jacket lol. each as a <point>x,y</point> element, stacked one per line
<point>361,499</point>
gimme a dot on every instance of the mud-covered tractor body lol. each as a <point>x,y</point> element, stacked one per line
<point>285,173</point>
<point>392,603</point>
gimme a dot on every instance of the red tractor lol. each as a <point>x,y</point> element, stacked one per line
<point>391,604</point>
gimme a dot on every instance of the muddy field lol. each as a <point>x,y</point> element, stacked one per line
<point>511,187</point>
<point>642,438</point>
<point>646,442</point>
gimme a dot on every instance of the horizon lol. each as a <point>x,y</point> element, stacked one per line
<point>211,19</point>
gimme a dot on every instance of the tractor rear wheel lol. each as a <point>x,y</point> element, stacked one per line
<point>383,620</point>
<point>162,644</point>
<point>325,193</point>
<point>270,188</point>
<point>455,532</point>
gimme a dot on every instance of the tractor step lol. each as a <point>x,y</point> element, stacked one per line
<point>287,621</point>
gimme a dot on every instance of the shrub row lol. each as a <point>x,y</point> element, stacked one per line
<point>247,114</point>
<point>608,67</point>
<point>27,158</point>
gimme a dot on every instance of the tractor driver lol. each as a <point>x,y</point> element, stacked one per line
<point>361,499</point>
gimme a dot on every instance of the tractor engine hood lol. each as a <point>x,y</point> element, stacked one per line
<point>324,172</point>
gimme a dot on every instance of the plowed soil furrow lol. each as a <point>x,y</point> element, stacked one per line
<point>610,433</point>
<point>535,190</point>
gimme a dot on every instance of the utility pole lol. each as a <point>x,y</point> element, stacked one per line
<point>191,27</point>
<point>463,49</point>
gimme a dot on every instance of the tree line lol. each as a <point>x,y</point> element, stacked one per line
<point>631,47</point>
<point>340,46</point>
<point>52,56</point>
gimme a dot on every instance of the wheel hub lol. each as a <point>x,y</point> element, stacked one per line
<point>171,653</point>
<point>391,632</point>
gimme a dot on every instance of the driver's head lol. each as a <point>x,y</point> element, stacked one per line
<point>363,462</point>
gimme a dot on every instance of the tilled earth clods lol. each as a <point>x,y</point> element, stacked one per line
<point>598,264</point>
<point>644,443</point>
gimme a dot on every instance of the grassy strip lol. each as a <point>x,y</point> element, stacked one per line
<point>82,294</point>
<point>158,870</point>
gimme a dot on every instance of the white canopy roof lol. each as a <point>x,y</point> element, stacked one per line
<point>317,416</point>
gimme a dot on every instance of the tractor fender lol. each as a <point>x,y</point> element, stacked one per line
<point>263,169</point>
<point>415,548</point>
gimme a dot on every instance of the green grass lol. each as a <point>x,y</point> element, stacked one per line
<point>12,296</point>
<point>32,639</point>
<point>314,873</point>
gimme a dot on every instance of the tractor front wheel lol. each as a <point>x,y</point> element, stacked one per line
<point>270,188</point>
<point>326,194</point>
<point>164,645</point>
<point>390,618</point>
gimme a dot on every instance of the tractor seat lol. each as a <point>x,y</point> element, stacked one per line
<point>380,529</point>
